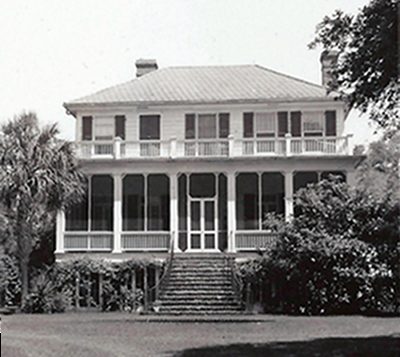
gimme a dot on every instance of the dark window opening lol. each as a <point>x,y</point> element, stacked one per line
<point>248,125</point>
<point>120,126</point>
<point>87,128</point>
<point>330,123</point>
<point>158,203</point>
<point>133,203</point>
<point>223,125</point>
<point>202,185</point>
<point>102,202</point>
<point>247,211</point>
<point>149,127</point>
<point>295,123</point>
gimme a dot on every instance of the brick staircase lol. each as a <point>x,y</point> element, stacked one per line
<point>199,284</point>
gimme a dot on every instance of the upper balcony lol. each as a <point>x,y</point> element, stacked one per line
<point>215,148</point>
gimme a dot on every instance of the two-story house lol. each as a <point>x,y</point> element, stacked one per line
<point>195,157</point>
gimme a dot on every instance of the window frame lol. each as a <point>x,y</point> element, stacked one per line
<point>217,116</point>
<point>140,116</point>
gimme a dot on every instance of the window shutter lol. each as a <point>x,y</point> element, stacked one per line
<point>295,121</point>
<point>223,125</point>
<point>120,126</point>
<point>87,128</point>
<point>282,123</point>
<point>330,123</point>
<point>190,132</point>
<point>149,127</point>
<point>248,131</point>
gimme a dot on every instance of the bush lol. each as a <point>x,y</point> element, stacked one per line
<point>340,254</point>
<point>10,282</point>
<point>45,298</point>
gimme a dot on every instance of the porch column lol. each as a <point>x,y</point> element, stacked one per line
<point>231,212</point>
<point>173,216</point>
<point>60,232</point>
<point>288,195</point>
<point>117,213</point>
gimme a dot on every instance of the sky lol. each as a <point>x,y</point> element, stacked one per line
<point>54,51</point>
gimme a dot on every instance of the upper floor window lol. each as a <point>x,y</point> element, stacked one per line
<point>87,128</point>
<point>313,124</point>
<point>206,126</point>
<point>149,127</point>
<point>119,125</point>
<point>103,128</point>
<point>269,124</point>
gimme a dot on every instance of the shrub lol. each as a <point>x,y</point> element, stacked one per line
<point>10,282</point>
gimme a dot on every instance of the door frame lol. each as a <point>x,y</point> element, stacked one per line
<point>202,231</point>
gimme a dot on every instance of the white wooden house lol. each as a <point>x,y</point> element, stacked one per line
<point>194,158</point>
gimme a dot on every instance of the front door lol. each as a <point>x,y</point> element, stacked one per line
<point>202,225</point>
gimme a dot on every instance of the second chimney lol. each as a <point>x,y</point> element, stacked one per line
<point>328,63</point>
<point>144,66</point>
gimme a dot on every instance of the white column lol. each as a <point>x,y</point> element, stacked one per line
<point>288,195</point>
<point>60,224</point>
<point>117,213</point>
<point>173,216</point>
<point>231,212</point>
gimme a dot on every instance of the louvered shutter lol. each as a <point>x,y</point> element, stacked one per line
<point>248,131</point>
<point>330,123</point>
<point>295,121</point>
<point>120,126</point>
<point>87,128</point>
<point>282,123</point>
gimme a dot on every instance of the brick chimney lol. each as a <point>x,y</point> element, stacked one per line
<point>328,63</point>
<point>144,66</point>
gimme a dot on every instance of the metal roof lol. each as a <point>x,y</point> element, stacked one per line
<point>208,84</point>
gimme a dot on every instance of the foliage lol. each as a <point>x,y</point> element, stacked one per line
<point>10,282</point>
<point>45,297</point>
<point>38,176</point>
<point>367,69</point>
<point>339,254</point>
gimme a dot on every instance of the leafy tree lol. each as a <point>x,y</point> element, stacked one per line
<point>38,176</point>
<point>366,71</point>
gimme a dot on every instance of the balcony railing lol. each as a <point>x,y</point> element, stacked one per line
<point>150,149</point>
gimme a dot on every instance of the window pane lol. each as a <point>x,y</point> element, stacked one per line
<point>87,128</point>
<point>149,127</point>
<point>195,241</point>
<point>195,215</point>
<point>190,126</point>
<point>282,123</point>
<point>273,193</point>
<point>265,124</point>
<point>133,203</point>
<point>104,128</point>
<point>76,218</point>
<point>202,185</point>
<point>207,126</point>
<point>120,126</point>
<point>209,241</point>
<point>102,203</point>
<point>248,131</point>
<point>223,125</point>
<point>158,203</point>
<point>295,123</point>
<point>247,215</point>
<point>330,123</point>
<point>313,123</point>
<point>209,216</point>
<point>303,178</point>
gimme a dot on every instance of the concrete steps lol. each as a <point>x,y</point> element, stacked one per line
<point>199,285</point>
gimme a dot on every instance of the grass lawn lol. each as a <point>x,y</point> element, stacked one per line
<point>117,334</point>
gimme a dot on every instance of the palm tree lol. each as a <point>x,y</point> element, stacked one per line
<point>39,175</point>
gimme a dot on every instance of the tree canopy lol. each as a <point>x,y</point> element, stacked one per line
<point>366,72</point>
<point>38,176</point>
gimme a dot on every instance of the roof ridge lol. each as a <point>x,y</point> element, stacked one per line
<point>289,76</point>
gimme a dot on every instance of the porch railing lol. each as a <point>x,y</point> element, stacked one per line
<point>88,241</point>
<point>231,147</point>
<point>145,241</point>
<point>253,240</point>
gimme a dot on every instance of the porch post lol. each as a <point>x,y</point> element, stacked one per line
<point>173,216</point>
<point>60,232</point>
<point>117,213</point>
<point>231,212</point>
<point>288,195</point>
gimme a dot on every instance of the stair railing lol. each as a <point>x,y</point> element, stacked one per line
<point>237,283</point>
<point>167,271</point>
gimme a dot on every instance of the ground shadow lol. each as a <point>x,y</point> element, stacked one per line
<point>371,346</point>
